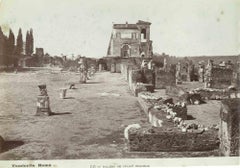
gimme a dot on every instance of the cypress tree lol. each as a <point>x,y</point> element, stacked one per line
<point>27,44</point>
<point>11,43</point>
<point>2,46</point>
<point>31,42</point>
<point>10,48</point>
<point>19,47</point>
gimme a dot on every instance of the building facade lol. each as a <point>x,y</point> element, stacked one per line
<point>40,52</point>
<point>130,40</point>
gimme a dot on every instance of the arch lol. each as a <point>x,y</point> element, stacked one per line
<point>125,50</point>
<point>143,34</point>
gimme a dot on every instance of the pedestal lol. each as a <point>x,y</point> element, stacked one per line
<point>63,93</point>
<point>43,106</point>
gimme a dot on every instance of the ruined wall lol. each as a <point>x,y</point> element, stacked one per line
<point>229,127</point>
<point>148,76</point>
<point>163,79</point>
<point>221,78</point>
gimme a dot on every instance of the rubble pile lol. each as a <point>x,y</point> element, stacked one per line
<point>164,110</point>
<point>168,130</point>
<point>191,98</point>
<point>216,94</point>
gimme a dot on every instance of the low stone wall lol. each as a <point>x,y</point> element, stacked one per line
<point>134,76</point>
<point>229,127</point>
<point>157,116</point>
<point>217,94</point>
<point>221,78</point>
<point>163,79</point>
<point>201,93</point>
<point>167,134</point>
<point>158,140</point>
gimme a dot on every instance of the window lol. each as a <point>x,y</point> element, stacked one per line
<point>134,35</point>
<point>143,34</point>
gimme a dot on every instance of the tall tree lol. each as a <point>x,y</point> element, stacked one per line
<point>2,46</point>
<point>31,42</point>
<point>10,46</point>
<point>27,44</point>
<point>10,43</point>
<point>19,47</point>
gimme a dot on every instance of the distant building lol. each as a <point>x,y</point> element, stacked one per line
<point>40,52</point>
<point>130,40</point>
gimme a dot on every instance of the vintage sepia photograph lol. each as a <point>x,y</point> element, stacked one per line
<point>119,84</point>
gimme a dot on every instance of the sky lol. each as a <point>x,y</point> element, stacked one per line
<point>83,27</point>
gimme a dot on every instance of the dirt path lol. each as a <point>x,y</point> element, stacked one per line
<point>90,123</point>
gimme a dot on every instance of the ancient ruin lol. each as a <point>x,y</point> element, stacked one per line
<point>130,40</point>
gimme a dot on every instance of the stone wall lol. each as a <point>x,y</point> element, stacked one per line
<point>157,140</point>
<point>134,76</point>
<point>216,77</point>
<point>229,127</point>
<point>164,79</point>
<point>221,78</point>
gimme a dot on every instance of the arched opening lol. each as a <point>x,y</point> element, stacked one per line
<point>125,51</point>
<point>143,34</point>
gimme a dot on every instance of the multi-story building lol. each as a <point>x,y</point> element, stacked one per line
<point>130,40</point>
